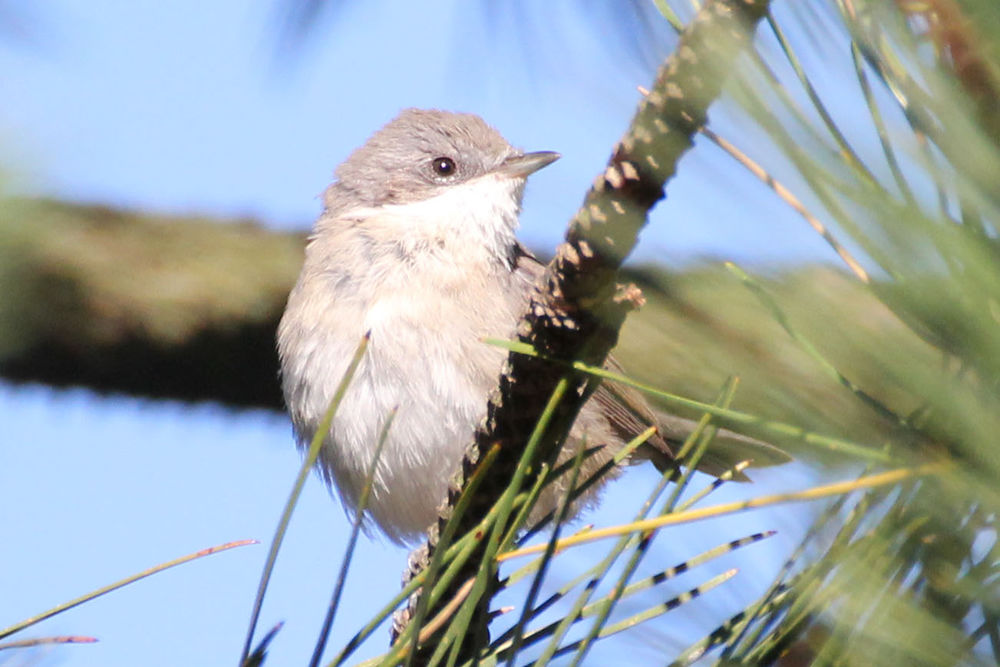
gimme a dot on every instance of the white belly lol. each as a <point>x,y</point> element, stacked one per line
<point>439,392</point>
<point>425,360</point>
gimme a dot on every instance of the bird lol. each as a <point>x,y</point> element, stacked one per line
<point>416,248</point>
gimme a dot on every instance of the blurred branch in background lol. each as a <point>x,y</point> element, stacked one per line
<point>142,304</point>
<point>186,308</point>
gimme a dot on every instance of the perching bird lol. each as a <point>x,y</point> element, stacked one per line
<point>416,245</point>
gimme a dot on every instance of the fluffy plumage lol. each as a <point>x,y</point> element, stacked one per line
<point>428,263</point>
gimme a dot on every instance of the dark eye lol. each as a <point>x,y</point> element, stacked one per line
<point>443,166</point>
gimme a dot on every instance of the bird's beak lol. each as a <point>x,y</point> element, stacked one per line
<point>520,166</point>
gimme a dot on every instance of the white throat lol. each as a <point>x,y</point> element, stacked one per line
<point>466,219</point>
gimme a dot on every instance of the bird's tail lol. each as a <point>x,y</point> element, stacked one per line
<point>725,451</point>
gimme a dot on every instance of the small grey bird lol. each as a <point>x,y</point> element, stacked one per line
<point>416,245</point>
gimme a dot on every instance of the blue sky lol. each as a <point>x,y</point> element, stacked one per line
<point>186,107</point>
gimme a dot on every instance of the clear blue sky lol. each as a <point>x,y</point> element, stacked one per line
<point>185,107</point>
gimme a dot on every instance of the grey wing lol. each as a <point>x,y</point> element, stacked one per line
<point>629,414</point>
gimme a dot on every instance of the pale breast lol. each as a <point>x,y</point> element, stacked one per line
<point>428,360</point>
<point>427,313</point>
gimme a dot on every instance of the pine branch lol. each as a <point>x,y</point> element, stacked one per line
<point>577,311</point>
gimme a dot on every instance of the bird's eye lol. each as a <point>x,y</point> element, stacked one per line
<point>443,166</point>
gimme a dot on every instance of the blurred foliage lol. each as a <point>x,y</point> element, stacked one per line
<point>908,199</point>
<point>704,319</point>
